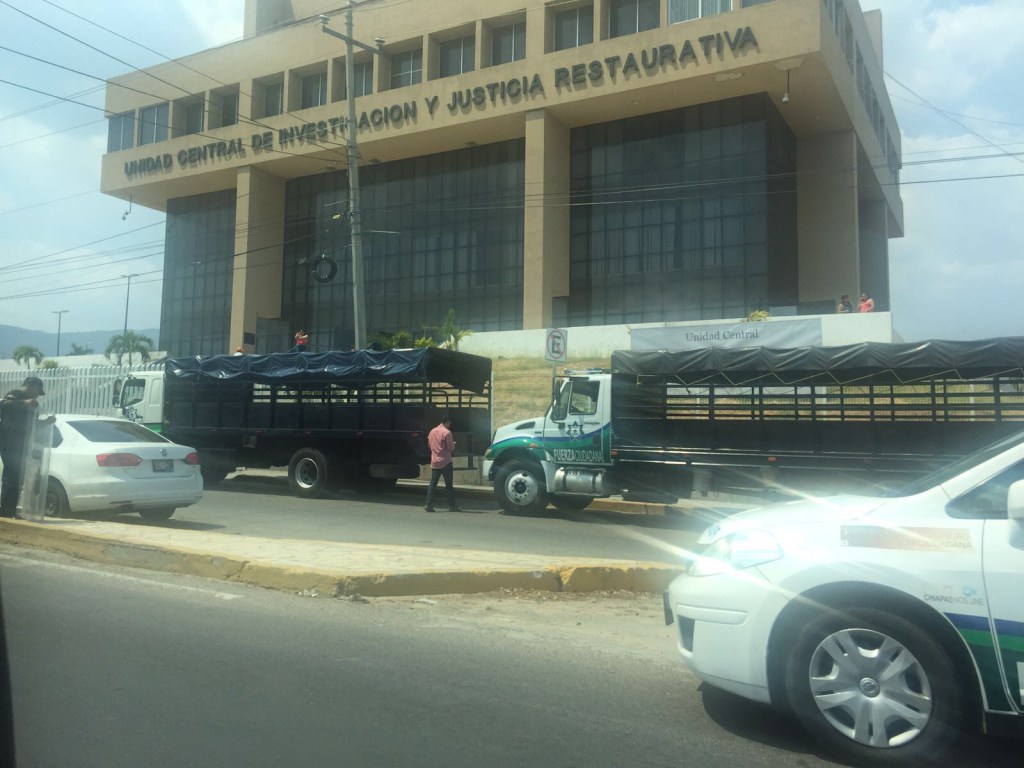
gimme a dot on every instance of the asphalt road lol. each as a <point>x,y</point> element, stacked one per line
<point>113,667</point>
<point>265,507</point>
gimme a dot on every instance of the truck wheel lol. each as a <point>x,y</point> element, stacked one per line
<point>308,473</point>
<point>874,688</point>
<point>571,503</point>
<point>519,486</point>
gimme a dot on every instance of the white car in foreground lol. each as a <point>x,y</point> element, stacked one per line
<point>885,625</point>
<point>111,465</point>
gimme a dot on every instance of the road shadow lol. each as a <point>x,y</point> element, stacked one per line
<point>480,502</point>
<point>132,518</point>
<point>763,724</point>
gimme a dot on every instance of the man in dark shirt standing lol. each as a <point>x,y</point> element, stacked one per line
<point>17,410</point>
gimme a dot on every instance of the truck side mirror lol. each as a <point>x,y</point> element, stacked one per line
<point>1015,502</point>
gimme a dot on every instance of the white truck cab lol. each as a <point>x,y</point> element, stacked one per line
<point>139,397</point>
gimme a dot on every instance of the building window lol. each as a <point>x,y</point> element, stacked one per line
<point>722,248</point>
<point>406,68</point>
<point>454,244</point>
<point>194,117</point>
<point>121,132</point>
<point>687,10</point>
<point>153,124</point>
<point>363,74</point>
<point>457,56</point>
<point>748,3</point>
<point>574,28</point>
<point>195,314</point>
<point>508,43</point>
<point>625,17</point>
<point>273,99</point>
<point>314,90</point>
<point>229,109</point>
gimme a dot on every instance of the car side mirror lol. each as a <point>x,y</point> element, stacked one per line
<point>1015,502</point>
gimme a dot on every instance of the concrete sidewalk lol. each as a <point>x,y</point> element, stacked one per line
<point>331,568</point>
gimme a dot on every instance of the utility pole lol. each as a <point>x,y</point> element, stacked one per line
<point>355,211</point>
<point>60,315</point>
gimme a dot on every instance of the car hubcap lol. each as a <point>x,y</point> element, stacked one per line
<point>870,688</point>
<point>521,488</point>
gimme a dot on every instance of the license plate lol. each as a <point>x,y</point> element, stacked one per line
<point>163,465</point>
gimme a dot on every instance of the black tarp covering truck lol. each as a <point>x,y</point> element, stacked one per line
<point>661,423</point>
<point>359,419</point>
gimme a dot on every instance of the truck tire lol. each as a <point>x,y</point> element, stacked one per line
<point>873,688</point>
<point>308,473</point>
<point>570,503</point>
<point>519,486</point>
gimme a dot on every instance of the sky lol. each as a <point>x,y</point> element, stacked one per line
<point>952,69</point>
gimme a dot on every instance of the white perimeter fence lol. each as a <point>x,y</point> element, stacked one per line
<point>75,390</point>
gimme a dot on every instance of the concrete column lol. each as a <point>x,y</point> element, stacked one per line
<point>259,253</point>
<point>537,32</point>
<point>546,231</point>
<point>827,228</point>
<point>874,253</point>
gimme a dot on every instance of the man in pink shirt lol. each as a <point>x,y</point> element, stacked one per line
<point>441,446</point>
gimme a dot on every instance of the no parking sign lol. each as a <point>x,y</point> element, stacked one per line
<point>556,348</point>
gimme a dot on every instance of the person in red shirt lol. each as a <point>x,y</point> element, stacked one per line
<point>441,446</point>
<point>301,341</point>
<point>867,304</point>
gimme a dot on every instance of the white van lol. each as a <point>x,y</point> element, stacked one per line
<point>885,625</point>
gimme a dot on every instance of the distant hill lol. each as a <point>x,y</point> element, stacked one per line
<point>12,337</point>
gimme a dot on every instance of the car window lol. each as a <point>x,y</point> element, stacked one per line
<point>988,500</point>
<point>56,437</point>
<point>115,432</point>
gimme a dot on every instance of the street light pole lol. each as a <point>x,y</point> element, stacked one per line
<point>60,315</point>
<point>127,295</point>
<point>355,211</point>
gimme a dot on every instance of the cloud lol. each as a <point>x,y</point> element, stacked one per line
<point>217,21</point>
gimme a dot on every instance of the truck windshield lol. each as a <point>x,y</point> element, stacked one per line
<point>132,392</point>
<point>948,472</point>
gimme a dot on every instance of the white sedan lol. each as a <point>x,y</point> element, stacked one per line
<point>886,625</point>
<point>102,464</point>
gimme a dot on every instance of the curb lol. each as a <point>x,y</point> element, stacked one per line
<point>580,577</point>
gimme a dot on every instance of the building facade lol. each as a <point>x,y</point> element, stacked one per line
<point>526,163</point>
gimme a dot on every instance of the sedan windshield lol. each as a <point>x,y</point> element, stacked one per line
<point>115,432</point>
<point>948,472</point>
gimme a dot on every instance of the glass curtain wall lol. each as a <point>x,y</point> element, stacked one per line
<point>683,215</point>
<point>199,249</point>
<point>440,232</point>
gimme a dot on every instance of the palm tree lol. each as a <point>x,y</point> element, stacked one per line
<point>446,335</point>
<point>396,340</point>
<point>128,343</point>
<point>26,353</point>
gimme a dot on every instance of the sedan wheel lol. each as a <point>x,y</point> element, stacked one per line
<point>56,500</point>
<point>873,687</point>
